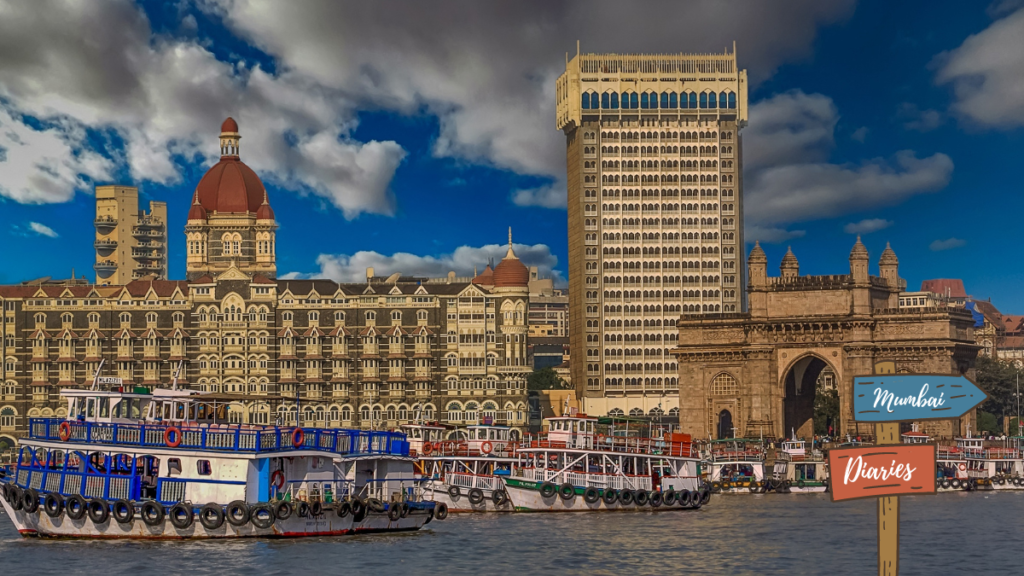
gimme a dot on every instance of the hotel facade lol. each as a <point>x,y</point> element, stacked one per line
<point>655,204</point>
<point>372,354</point>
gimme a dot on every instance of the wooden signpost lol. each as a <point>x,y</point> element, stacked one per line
<point>889,468</point>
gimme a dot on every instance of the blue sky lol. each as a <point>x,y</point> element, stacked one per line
<point>409,136</point>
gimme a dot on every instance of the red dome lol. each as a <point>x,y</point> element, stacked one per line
<point>485,278</point>
<point>511,272</point>
<point>230,186</point>
<point>197,212</point>
<point>229,125</point>
<point>265,212</point>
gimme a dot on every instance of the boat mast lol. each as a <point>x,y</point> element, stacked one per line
<point>96,376</point>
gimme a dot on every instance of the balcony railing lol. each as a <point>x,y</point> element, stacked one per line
<point>225,438</point>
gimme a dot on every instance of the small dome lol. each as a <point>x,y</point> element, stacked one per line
<point>757,254</point>
<point>888,256</point>
<point>789,259</point>
<point>485,278</point>
<point>197,212</point>
<point>510,272</point>
<point>229,125</point>
<point>859,252</point>
<point>265,212</point>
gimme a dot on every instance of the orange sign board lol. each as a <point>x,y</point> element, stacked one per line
<point>889,470</point>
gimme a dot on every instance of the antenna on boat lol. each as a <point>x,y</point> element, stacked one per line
<point>96,376</point>
<point>177,371</point>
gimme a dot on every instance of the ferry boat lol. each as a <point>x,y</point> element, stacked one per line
<point>735,466</point>
<point>166,464</point>
<point>799,470</point>
<point>466,473</point>
<point>993,467</point>
<point>573,468</point>
<point>950,463</point>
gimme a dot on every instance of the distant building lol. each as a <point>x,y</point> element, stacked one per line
<point>546,352</point>
<point>130,243</point>
<point>549,308</point>
<point>952,289</point>
<point>754,373</point>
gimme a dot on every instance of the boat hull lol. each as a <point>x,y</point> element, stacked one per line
<point>327,524</point>
<point>526,497</point>
<point>438,492</point>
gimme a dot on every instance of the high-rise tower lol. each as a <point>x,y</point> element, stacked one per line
<point>655,215</point>
<point>130,243</point>
<point>230,222</point>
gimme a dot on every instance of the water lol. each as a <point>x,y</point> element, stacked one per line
<point>739,534</point>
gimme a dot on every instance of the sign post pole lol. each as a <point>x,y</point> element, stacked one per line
<point>888,506</point>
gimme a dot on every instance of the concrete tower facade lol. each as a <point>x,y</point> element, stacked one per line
<point>655,215</point>
<point>130,243</point>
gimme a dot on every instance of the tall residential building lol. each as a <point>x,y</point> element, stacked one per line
<point>130,243</point>
<point>655,215</point>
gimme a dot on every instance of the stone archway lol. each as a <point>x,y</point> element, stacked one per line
<point>799,393</point>
<point>725,425</point>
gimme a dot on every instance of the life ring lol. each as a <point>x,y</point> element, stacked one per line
<point>486,447</point>
<point>176,433</point>
<point>64,431</point>
<point>298,436</point>
<point>449,446</point>
<point>962,466</point>
<point>427,448</point>
<point>277,480</point>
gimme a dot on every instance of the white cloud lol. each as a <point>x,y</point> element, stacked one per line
<point>789,180</point>
<point>487,70</point>
<point>42,229</point>
<point>947,244</point>
<point>987,72</point>
<point>45,166</point>
<point>166,97</point>
<point>772,235</point>
<point>352,268</point>
<point>860,134</point>
<point>920,120</point>
<point>867,226</point>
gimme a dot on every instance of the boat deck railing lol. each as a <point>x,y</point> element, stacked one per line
<point>993,454</point>
<point>583,479</point>
<point>223,438</point>
<point>616,444</point>
<point>470,481</point>
<point>736,455</point>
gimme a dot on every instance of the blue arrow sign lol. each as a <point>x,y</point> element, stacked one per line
<point>897,397</point>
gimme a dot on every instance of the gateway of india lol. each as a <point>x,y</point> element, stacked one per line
<point>755,373</point>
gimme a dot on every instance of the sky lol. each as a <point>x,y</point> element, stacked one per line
<point>409,136</point>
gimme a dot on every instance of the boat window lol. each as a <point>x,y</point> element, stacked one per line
<point>166,411</point>
<point>104,407</point>
<point>203,467</point>
<point>173,467</point>
<point>90,410</point>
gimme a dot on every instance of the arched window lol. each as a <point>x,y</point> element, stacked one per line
<point>703,99</point>
<point>636,412</point>
<point>732,100</point>
<point>711,100</point>
<point>724,385</point>
<point>693,99</point>
<point>615,100</point>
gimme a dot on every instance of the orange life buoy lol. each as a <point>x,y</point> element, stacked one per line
<point>297,437</point>
<point>277,480</point>
<point>173,443</point>
<point>962,466</point>
<point>437,446</point>
<point>427,448</point>
<point>486,447</point>
<point>449,446</point>
<point>64,431</point>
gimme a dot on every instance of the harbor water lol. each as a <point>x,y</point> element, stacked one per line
<point>961,533</point>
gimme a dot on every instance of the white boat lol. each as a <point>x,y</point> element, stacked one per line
<point>574,468</point>
<point>950,463</point>
<point>166,464</point>
<point>799,470</point>
<point>735,466</point>
<point>465,473</point>
<point>994,467</point>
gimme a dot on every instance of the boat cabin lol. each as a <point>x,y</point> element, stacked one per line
<point>797,449</point>
<point>488,438</point>
<point>107,406</point>
<point>915,437</point>
<point>574,431</point>
<point>420,434</point>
